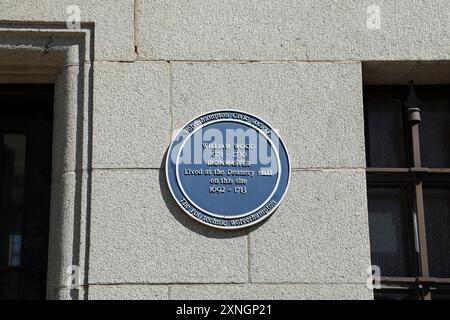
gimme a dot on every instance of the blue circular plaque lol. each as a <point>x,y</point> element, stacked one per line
<point>228,169</point>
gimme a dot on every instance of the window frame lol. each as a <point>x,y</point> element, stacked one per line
<point>413,175</point>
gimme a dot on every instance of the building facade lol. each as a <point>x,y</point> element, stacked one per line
<point>124,76</point>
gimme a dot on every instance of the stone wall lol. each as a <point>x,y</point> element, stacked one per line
<point>298,65</point>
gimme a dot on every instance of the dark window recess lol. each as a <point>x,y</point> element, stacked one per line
<point>408,177</point>
<point>435,133</point>
<point>389,225</point>
<point>386,146</point>
<point>440,295</point>
<point>25,178</point>
<point>396,294</point>
<point>437,221</point>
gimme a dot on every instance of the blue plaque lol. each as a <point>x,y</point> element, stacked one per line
<point>228,169</point>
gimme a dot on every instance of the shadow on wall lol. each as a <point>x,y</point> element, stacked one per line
<point>190,223</point>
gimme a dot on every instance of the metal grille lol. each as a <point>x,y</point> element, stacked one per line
<point>405,171</point>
